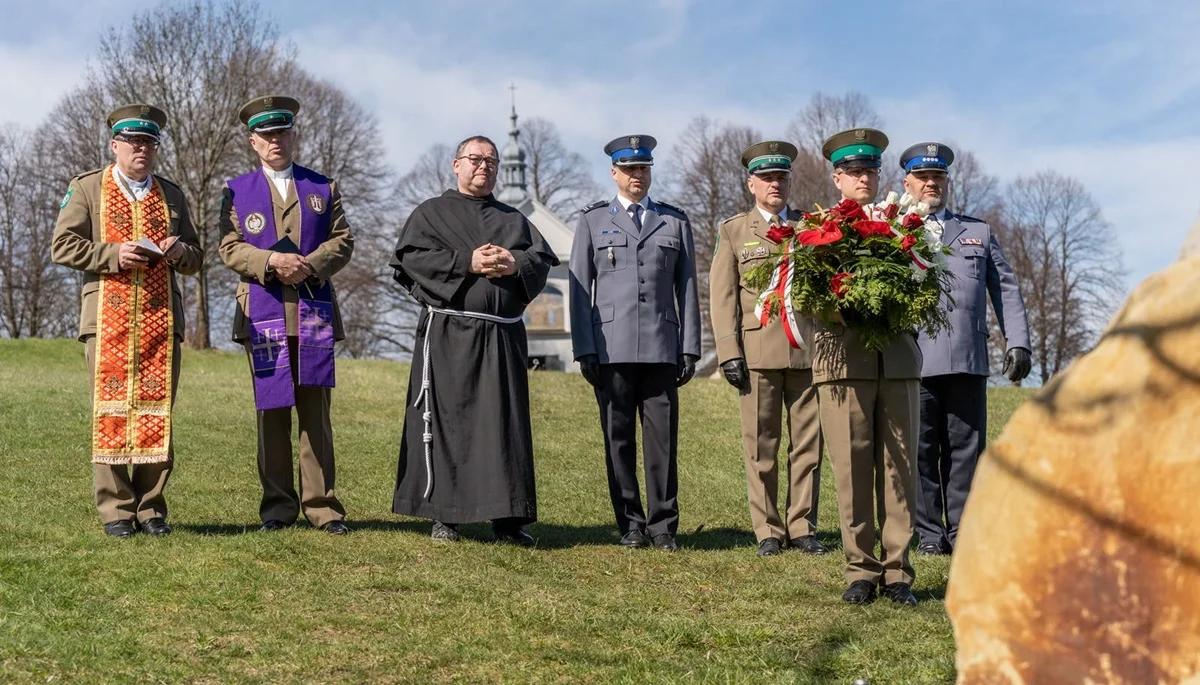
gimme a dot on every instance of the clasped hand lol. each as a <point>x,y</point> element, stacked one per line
<point>290,269</point>
<point>493,261</point>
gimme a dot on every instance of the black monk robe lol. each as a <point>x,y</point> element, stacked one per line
<point>481,452</point>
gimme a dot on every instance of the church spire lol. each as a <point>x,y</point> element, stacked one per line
<point>512,163</point>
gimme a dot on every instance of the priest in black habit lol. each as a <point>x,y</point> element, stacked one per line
<point>474,263</point>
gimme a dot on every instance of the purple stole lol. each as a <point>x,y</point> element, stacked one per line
<point>269,356</point>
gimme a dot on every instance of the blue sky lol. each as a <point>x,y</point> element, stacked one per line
<point>1104,91</point>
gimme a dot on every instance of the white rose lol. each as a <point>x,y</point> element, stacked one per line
<point>906,201</point>
<point>891,198</point>
<point>921,209</point>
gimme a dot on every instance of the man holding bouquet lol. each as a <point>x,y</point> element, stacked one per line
<point>768,361</point>
<point>869,407</point>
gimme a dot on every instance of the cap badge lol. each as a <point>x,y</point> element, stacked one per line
<point>860,135</point>
<point>255,223</point>
<point>773,147</point>
<point>633,141</point>
<point>931,148</point>
<point>145,110</point>
<point>268,102</point>
<point>317,203</point>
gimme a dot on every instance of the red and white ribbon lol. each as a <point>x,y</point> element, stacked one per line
<point>781,284</point>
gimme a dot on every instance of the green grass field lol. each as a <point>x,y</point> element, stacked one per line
<point>217,603</point>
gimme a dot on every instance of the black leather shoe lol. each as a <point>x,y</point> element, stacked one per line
<point>665,542</point>
<point>514,535</point>
<point>444,531</point>
<point>808,544</point>
<point>859,592</point>
<point>156,527</point>
<point>634,539</point>
<point>930,549</point>
<point>119,529</point>
<point>273,524</point>
<point>900,593</point>
<point>769,547</point>
<point>336,528</point>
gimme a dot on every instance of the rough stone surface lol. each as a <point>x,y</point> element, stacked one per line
<point>1078,560</point>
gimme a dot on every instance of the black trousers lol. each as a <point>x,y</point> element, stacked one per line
<point>953,435</point>
<point>626,392</point>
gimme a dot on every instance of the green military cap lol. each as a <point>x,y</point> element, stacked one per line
<point>769,156</point>
<point>857,147</point>
<point>269,113</point>
<point>137,120</point>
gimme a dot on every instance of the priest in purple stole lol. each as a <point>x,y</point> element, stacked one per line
<point>474,264</point>
<point>284,232</point>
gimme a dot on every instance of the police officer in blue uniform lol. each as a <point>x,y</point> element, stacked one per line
<point>954,373</point>
<point>635,329</point>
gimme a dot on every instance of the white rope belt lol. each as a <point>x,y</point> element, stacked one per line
<point>427,382</point>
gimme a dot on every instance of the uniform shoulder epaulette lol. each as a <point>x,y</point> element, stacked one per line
<point>85,174</point>
<point>969,219</point>
<point>734,217</point>
<point>595,205</point>
<point>671,207</point>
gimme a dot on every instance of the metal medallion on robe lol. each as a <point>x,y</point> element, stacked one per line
<point>255,223</point>
<point>317,204</point>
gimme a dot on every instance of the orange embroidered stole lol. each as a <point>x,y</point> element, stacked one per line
<point>131,407</point>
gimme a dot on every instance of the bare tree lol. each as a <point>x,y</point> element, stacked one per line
<point>558,177</point>
<point>37,297</point>
<point>973,191</point>
<point>823,116</point>
<point>1064,257</point>
<point>431,175</point>
<point>705,176</point>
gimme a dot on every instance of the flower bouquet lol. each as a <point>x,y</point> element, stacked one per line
<point>874,267</point>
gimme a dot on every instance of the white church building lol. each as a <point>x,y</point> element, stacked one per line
<point>547,318</point>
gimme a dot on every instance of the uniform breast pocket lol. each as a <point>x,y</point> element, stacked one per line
<point>974,257</point>
<point>668,252</point>
<point>173,228</point>
<point>611,249</point>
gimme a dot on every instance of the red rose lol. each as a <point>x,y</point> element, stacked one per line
<point>912,222</point>
<point>866,229</point>
<point>891,211</point>
<point>849,210</point>
<point>778,234</point>
<point>826,233</point>
<point>907,242</point>
<point>839,285</point>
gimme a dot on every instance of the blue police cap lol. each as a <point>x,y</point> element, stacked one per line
<point>631,150</point>
<point>934,156</point>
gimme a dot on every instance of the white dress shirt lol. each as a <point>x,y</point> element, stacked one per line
<point>280,179</point>
<point>783,215</point>
<point>138,189</point>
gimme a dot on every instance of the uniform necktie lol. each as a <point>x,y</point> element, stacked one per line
<point>636,211</point>
<point>775,220</point>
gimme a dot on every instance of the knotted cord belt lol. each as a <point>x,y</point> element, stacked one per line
<point>427,381</point>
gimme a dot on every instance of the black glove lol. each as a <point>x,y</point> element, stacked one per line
<point>686,369</point>
<point>1017,364</point>
<point>589,366</point>
<point>738,376</point>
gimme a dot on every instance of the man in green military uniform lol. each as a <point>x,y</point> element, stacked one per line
<point>130,232</point>
<point>870,413</point>
<point>768,361</point>
<point>284,232</point>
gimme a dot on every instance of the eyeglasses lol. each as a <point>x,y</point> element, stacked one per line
<point>476,160</point>
<point>139,142</point>
<point>859,171</point>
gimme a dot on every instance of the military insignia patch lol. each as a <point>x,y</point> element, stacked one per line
<point>317,203</point>
<point>66,198</point>
<point>255,223</point>
<point>613,210</point>
<point>970,241</point>
<point>745,253</point>
<point>760,251</point>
